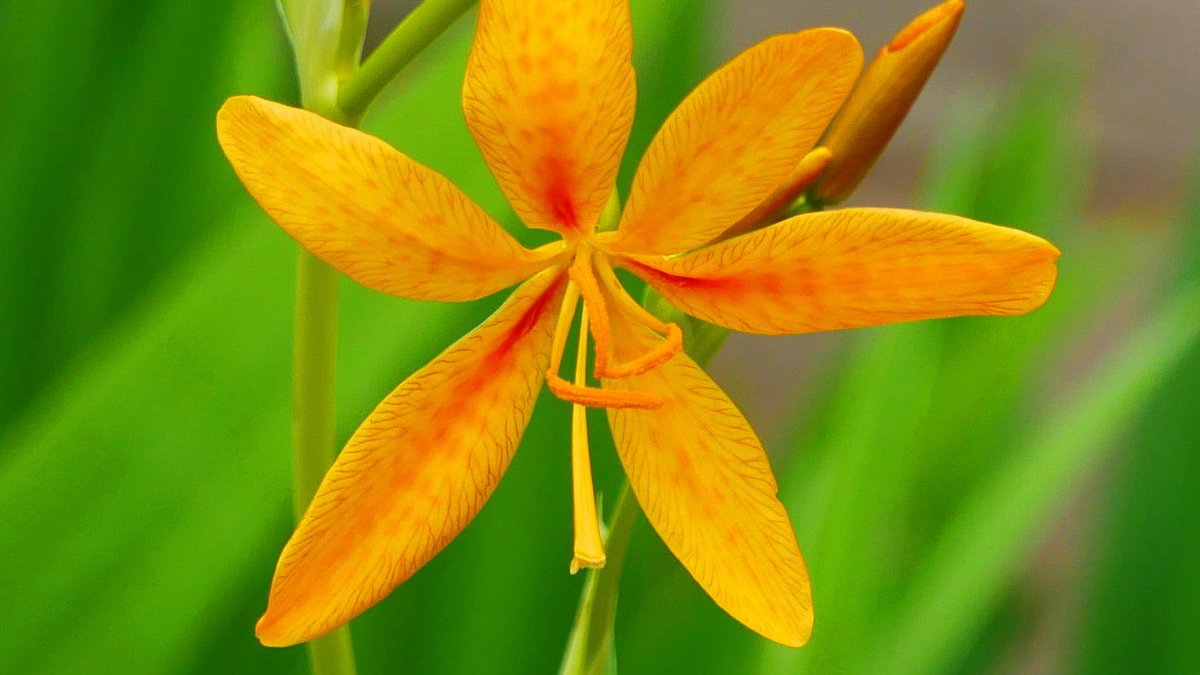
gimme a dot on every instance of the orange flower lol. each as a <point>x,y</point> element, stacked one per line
<point>549,97</point>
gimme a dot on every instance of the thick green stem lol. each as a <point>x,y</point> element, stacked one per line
<point>429,20</point>
<point>313,376</point>
<point>313,362</point>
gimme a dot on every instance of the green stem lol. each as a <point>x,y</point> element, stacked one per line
<point>429,20</point>
<point>351,36</point>
<point>313,368</point>
<point>313,376</point>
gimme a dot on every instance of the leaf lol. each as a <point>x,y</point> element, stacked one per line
<point>104,191</point>
<point>993,533</point>
<point>1143,597</point>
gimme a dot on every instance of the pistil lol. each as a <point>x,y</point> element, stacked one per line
<point>589,548</point>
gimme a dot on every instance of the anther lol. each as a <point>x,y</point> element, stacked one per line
<point>663,352</point>
<point>594,397</point>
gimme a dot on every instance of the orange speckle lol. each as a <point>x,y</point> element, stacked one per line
<point>558,194</point>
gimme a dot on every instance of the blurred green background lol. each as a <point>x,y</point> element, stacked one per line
<point>976,495</point>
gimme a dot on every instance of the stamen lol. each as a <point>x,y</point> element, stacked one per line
<point>589,548</point>
<point>593,397</point>
<point>573,393</point>
<point>672,345</point>
<point>609,278</point>
<point>652,359</point>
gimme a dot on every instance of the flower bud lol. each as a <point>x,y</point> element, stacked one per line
<point>881,99</point>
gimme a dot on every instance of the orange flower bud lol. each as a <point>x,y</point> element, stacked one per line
<point>881,99</point>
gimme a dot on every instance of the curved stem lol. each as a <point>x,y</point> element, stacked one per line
<point>429,20</point>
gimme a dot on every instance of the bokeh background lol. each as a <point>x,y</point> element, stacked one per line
<point>975,495</point>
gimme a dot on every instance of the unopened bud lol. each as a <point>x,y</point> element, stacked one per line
<point>881,98</point>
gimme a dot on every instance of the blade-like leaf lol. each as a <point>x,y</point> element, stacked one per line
<point>993,533</point>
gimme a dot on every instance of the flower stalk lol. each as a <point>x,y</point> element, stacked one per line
<point>313,367</point>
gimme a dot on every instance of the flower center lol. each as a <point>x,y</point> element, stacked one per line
<point>593,279</point>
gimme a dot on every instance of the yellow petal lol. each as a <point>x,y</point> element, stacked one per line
<point>857,267</point>
<point>881,99</point>
<point>701,476</point>
<point>549,97</point>
<point>377,216</point>
<point>416,472</point>
<point>736,138</point>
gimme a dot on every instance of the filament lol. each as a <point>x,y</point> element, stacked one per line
<point>672,345</point>
<point>593,397</point>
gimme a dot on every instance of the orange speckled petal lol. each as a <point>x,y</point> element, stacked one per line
<point>857,267</point>
<point>382,219</point>
<point>736,138</point>
<point>701,476</point>
<point>549,96</point>
<point>416,472</point>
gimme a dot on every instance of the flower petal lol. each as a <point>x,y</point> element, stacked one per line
<point>701,476</point>
<point>377,216</point>
<point>736,138</point>
<point>857,267</point>
<point>549,96</point>
<point>416,471</point>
